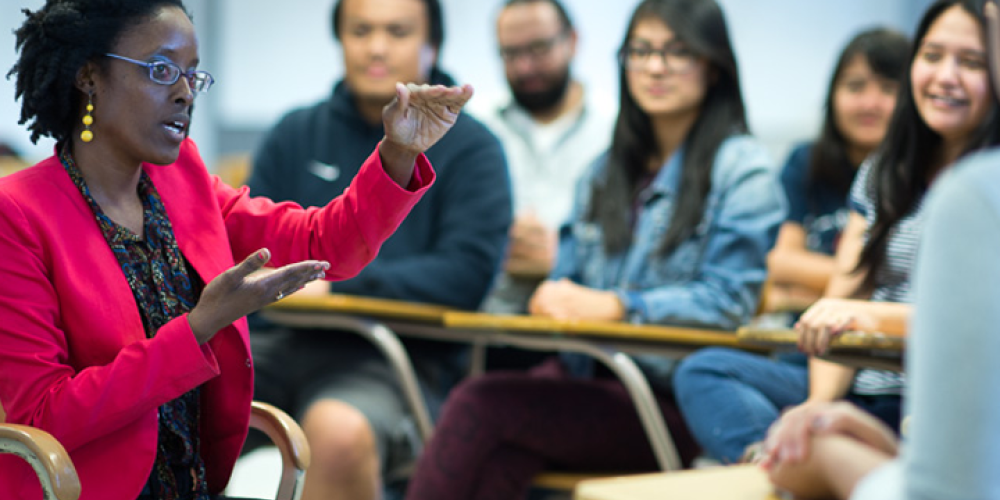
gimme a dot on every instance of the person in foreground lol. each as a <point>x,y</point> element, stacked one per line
<point>343,390</point>
<point>945,111</point>
<point>671,226</point>
<point>121,300</point>
<point>837,450</point>
<point>729,397</point>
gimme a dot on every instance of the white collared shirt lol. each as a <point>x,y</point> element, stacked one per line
<point>546,160</point>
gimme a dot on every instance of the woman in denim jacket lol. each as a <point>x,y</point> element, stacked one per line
<point>671,226</point>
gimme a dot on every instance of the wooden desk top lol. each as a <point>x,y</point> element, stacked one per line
<point>846,341</point>
<point>362,306</point>
<point>605,329</point>
<point>743,482</point>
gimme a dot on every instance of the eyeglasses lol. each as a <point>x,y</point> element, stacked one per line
<point>535,50</point>
<point>675,57</point>
<point>167,73</point>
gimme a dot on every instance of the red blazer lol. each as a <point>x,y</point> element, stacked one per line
<point>74,359</point>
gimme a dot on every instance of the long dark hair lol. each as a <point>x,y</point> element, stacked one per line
<point>885,52</point>
<point>701,25</point>
<point>910,154</point>
<point>55,42</point>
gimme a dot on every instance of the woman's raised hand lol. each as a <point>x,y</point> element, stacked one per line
<point>420,115</point>
<point>238,291</point>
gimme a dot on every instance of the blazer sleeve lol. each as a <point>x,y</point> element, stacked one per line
<point>472,218</point>
<point>347,232</point>
<point>39,385</point>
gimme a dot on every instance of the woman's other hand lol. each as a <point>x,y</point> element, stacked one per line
<point>239,291</point>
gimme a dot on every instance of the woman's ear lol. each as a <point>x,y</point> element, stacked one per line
<point>85,78</point>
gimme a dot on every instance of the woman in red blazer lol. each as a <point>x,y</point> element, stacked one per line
<point>122,328</point>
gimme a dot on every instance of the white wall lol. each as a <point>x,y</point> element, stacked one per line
<point>270,56</point>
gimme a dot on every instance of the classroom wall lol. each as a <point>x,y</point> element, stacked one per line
<point>271,56</point>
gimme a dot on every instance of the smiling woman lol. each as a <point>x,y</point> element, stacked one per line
<point>131,296</point>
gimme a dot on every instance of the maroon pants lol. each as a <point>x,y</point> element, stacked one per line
<point>498,431</point>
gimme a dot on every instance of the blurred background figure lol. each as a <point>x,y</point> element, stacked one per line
<point>818,175</point>
<point>447,252</point>
<point>551,128</point>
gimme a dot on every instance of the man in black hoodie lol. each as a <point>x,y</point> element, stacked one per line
<point>446,252</point>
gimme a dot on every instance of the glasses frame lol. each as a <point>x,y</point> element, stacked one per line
<point>668,56</point>
<point>199,81</point>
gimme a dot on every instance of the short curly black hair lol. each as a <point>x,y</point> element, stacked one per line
<point>55,42</point>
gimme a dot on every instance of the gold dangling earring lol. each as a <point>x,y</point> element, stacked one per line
<point>88,120</point>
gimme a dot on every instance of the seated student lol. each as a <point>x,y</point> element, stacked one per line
<point>447,252</point>
<point>944,111</point>
<point>838,451</point>
<point>816,178</point>
<point>121,302</point>
<point>671,226</point>
<point>552,128</point>
<point>818,175</point>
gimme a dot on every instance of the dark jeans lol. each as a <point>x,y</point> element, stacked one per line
<point>498,431</point>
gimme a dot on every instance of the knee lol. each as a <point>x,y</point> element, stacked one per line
<point>710,362</point>
<point>341,439</point>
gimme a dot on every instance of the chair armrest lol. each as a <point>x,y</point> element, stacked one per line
<point>49,459</point>
<point>290,440</point>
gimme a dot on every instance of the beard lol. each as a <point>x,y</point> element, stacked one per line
<point>545,99</point>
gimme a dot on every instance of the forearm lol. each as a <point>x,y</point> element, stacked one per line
<point>828,381</point>
<point>348,232</point>
<point>789,298</point>
<point>800,268</point>
<point>834,467</point>
<point>891,318</point>
<point>397,162</point>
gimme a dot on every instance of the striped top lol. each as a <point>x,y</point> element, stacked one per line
<point>893,280</point>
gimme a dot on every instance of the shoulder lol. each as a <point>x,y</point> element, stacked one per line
<point>977,175</point>
<point>741,156</point>
<point>596,168</point>
<point>467,138</point>
<point>36,182</point>
<point>469,129</point>
<point>798,158</point>
<point>796,166</point>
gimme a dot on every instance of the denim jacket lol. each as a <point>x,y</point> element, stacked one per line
<point>711,280</point>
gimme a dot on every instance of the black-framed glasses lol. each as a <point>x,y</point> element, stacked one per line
<point>676,57</point>
<point>535,50</point>
<point>167,73</point>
